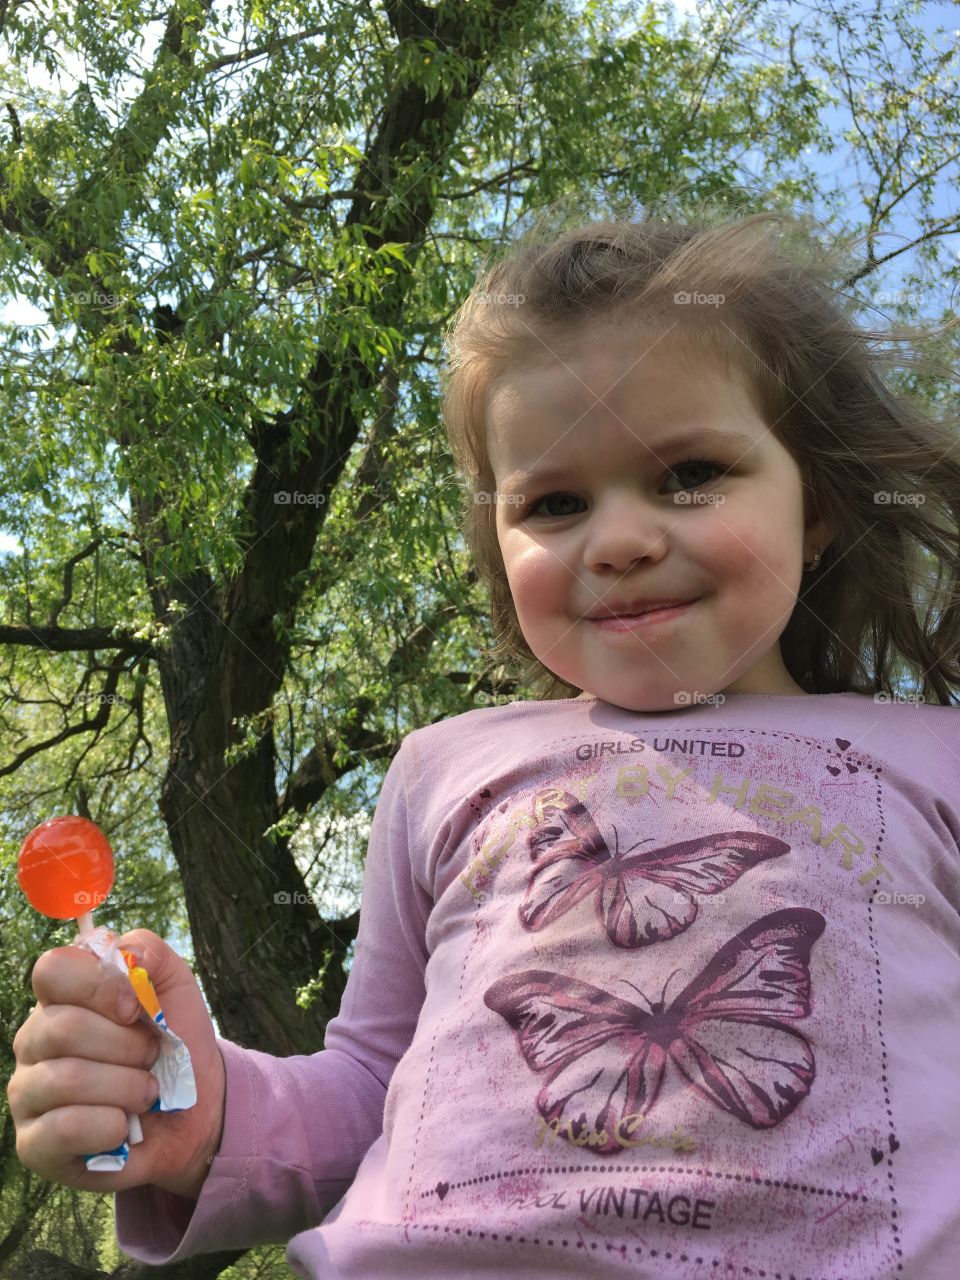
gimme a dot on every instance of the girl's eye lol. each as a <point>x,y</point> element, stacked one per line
<point>534,507</point>
<point>689,464</point>
<point>693,464</point>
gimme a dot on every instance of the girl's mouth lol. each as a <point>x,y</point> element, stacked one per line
<point>642,619</point>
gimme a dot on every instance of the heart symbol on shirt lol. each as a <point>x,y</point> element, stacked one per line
<point>442,1188</point>
<point>842,743</point>
<point>877,1155</point>
<point>851,768</point>
<point>894,1144</point>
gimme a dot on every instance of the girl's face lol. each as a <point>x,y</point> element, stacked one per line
<point>599,507</point>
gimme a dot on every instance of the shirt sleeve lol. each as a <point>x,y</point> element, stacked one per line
<point>296,1128</point>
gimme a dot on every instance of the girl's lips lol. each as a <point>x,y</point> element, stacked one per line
<point>641,620</point>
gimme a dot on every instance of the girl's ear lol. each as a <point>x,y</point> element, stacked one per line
<point>818,533</point>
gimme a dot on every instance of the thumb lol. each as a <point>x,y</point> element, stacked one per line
<point>176,1147</point>
<point>173,980</point>
<point>153,953</point>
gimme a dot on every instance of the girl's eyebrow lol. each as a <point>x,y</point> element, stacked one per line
<point>705,436</point>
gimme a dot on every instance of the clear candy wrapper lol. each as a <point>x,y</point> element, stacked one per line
<point>173,1069</point>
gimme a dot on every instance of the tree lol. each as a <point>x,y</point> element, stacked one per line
<point>238,582</point>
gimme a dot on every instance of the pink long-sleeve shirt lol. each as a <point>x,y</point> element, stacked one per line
<point>654,995</point>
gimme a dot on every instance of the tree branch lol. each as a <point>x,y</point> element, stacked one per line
<point>77,639</point>
<point>316,771</point>
<point>247,55</point>
<point>506,175</point>
<point>68,568</point>
<point>94,726</point>
<point>949,225</point>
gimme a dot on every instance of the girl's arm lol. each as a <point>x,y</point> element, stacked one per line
<point>296,1128</point>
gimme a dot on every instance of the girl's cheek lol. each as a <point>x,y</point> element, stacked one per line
<point>530,560</point>
<point>760,530</point>
<point>538,588</point>
<point>719,543</point>
<point>773,564</point>
<point>525,568</point>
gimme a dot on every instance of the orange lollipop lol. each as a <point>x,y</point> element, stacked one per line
<point>65,868</point>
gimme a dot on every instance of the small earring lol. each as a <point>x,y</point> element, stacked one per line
<point>815,561</point>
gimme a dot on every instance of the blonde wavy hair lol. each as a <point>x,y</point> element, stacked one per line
<point>882,605</point>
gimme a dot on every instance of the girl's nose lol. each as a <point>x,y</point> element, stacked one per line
<point>623,530</point>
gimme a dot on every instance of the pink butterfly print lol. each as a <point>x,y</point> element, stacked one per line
<point>606,1059</point>
<point>638,900</point>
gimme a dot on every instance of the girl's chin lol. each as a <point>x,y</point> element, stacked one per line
<point>650,700</point>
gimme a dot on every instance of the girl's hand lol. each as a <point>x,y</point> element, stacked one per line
<point>83,1063</point>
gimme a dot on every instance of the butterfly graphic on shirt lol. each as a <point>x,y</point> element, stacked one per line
<point>638,900</point>
<point>605,1059</point>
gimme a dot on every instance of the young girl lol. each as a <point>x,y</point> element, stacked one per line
<point>657,976</point>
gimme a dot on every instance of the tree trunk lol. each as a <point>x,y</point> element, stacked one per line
<point>256,935</point>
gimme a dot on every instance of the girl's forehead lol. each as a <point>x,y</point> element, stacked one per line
<point>601,357</point>
<point>629,380</point>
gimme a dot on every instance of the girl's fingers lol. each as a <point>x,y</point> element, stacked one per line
<point>63,1082</point>
<point>67,1030</point>
<point>67,975</point>
<point>53,1144</point>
